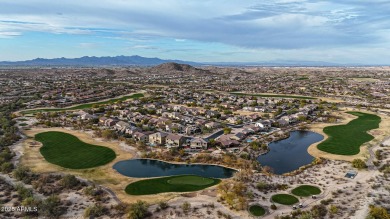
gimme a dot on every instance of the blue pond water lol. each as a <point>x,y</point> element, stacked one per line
<point>291,153</point>
<point>144,168</point>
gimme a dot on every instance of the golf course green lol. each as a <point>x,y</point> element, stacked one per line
<point>273,95</point>
<point>284,199</point>
<point>85,106</point>
<point>306,190</point>
<point>256,210</point>
<point>68,151</point>
<point>183,183</point>
<point>347,139</point>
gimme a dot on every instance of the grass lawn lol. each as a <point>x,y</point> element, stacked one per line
<point>85,106</point>
<point>274,95</point>
<point>68,151</point>
<point>256,210</point>
<point>306,190</point>
<point>284,199</point>
<point>185,183</point>
<point>347,139</point>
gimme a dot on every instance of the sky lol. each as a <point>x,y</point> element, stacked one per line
<point>344,32</point>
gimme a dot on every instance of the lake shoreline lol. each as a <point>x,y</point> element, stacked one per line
<point>156,171</point>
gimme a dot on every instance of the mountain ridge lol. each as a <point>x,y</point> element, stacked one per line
<point>136,60</point>
<point>95,61</point>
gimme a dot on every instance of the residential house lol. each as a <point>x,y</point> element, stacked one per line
<point>239,136</point>
<point>102,120</point>
<point>198,143</point>
<point>142,137</point>
<point>158,138</point>
<point>228,143</point>
<point>121,126</point>
<point>175,127</point>
<point>110,122</point>
<point>213,125</point>
<point>174,140</point>
<point>192,129</point>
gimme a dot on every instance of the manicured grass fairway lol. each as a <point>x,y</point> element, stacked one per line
<point>347,139</point>
<point>284,199</point>
<point>274,95</point>
<point>186,183</point>
<point>306,190</point>
<point>256,210</point>
<point>68,151</point>
<point>85,106</point>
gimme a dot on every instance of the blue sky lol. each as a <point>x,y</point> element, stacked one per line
<point>349,31</point>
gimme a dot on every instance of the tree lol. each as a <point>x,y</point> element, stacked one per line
<point>163,205</point>
<point>33,203</point>
<point>6,167</point>
<point>69,181</point>
<point>212,143</point>
<point>359,164</point>
<point>278,111</point>
<point>109,134</point>
<point>51,207</point>
<point>227,130</point>
<point>22,173</point>
<point>319,211</point>
<point>94,211</point>
<point>138,210</point>
<point>333,209</point>
<point>186,206</point>
<point>377,212</point>
<point>23,192</point>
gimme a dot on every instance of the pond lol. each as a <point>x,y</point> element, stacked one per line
<point>145,168</point>
<point>291,153</point>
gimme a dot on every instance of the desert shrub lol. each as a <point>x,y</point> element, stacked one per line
<point>138,210</point>
<point>69,181</point>
<point>94,211</point>
<point>6,167</point>
<point>359,164</point>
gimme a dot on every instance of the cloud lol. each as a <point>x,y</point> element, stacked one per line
<point>88,45</point>
<point>251,24</point>
<point>5,34</point>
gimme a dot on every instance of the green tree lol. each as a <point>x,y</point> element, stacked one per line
<point>359,164</point>
<point>69,181</point>
<point>333,209</point>
<point>163,205</point>
<point>138,210</point>
<point>227,130</point>
<point>186,206</point>
<point>6,167</point>
<point>94,211</point>
<point>51,207</point>
<point>377,212</point>
<point>109,134</point>
<point>22,173</point>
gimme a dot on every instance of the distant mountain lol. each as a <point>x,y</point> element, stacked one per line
<point>176,67</point>
<point>172,66</point>
<point>96,61</point>
<point>89,61</point>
